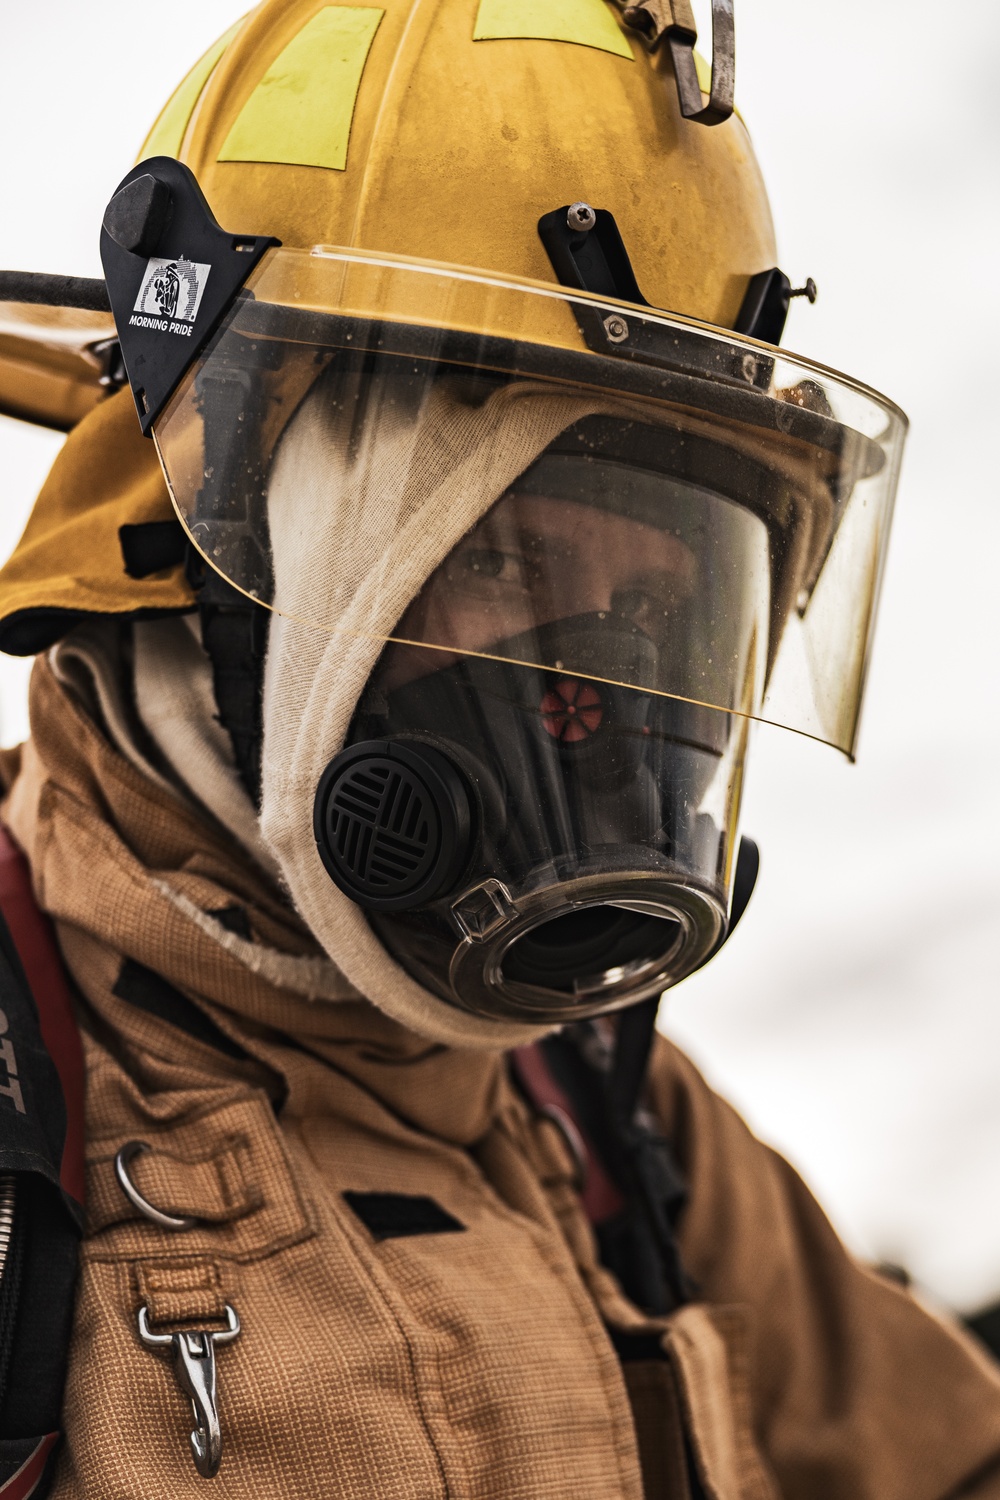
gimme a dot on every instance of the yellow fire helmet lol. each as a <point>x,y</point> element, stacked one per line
<point>442,132</point>
<point>477,392</point>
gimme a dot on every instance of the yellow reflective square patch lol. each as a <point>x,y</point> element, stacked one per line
<point>589,23</point>
<point>167,134</point>
<point>301,111</point>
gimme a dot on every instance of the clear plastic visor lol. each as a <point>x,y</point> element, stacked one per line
<point>387,450</point>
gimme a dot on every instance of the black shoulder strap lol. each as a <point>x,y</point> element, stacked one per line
<point>598,1069</point>
<point>590,1077</point>
<point>41,1182</point>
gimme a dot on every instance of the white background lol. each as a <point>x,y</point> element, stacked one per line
<point>854,1017</point>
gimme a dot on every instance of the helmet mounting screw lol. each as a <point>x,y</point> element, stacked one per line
<point>810,290</point>
<point>581,217</point>
<point>616,328</point>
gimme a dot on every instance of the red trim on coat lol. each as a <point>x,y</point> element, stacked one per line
<point>22,1484</point>
<point>35,940</point>
<point>600,1198</point>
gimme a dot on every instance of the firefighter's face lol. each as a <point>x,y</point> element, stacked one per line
<point>533,560</point>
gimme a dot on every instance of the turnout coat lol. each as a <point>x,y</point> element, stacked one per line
<point>401,1233</point>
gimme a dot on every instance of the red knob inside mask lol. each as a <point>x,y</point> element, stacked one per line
<point>572,711</point>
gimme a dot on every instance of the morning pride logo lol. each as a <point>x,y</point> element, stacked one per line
<point>170,295</point>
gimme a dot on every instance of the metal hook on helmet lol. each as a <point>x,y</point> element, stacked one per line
<point>674,20</point>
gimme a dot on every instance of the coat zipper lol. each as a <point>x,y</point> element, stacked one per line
<point>7,1197</point>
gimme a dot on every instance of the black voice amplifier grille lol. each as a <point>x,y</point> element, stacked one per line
<point>383,826</point>
<point>392,823</point>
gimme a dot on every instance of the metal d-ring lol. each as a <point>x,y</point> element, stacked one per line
<point>574,1141</point>
<point>172,1222</point>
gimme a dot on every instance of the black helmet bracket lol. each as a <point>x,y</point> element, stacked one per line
<point>171,272</point>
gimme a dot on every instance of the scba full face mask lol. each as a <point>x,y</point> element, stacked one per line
<point>554,830</point>
<point>529,597</point>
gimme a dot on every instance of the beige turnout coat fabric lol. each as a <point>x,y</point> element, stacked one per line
<point>474,1362</point>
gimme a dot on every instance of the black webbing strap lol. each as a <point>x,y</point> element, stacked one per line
<point>601,1067</point>
<point>234,636</point>
<point>603,1083</point>
<point>41,1182</point>
<point>635,1030</point>
<point>658,1184</point>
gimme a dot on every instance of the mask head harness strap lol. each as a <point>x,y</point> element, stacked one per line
<point>234,636</point>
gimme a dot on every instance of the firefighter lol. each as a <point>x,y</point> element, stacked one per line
<point>401,622</point>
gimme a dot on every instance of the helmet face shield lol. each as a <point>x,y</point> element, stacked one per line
<point>440,396</point>
<point>565,554</point>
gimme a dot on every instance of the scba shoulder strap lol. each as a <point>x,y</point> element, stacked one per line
<point>41,1181</point>
<point>588,1079</point>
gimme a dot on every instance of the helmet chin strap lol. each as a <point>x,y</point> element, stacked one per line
<point>234,634</point>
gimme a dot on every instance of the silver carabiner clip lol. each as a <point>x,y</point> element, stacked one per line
<point>194,1363</point>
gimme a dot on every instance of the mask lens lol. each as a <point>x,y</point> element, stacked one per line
<point>673,580</point>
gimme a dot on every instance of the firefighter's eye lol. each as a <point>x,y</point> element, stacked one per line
<point>488,562</point>
<point>651,600</point>
<point>473,567</point>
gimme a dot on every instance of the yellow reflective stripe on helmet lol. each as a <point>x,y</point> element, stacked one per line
<point>167,134</point>
<point>589,23</point>
<point>301,111</point>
